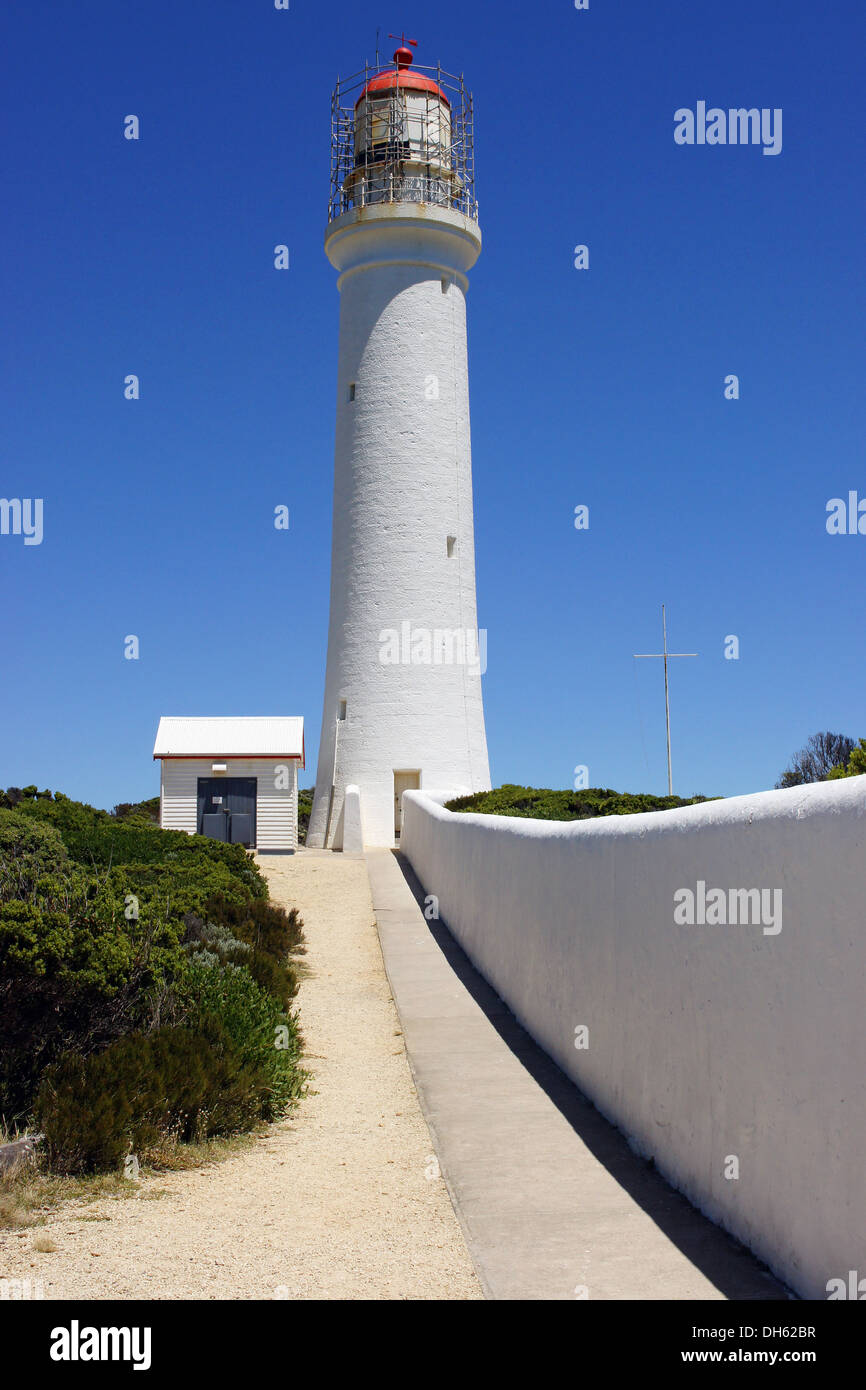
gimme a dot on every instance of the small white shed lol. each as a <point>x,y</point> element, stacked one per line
<point>235,779</point>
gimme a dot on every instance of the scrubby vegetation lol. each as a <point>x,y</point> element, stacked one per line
<point>305,810</point>
<point>145,983</point>
<point>855,766</point>
<point>540,803</point>
<point>824,756</point>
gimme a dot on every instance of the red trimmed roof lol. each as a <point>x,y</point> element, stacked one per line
<point>245,736</point>
<point>403,77</point>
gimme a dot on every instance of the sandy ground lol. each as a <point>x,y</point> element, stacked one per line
<point>339,1201</point>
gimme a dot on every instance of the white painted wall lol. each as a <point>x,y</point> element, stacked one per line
<point>402,486</point>
<point>276,807</point>
<point>704,1041</point>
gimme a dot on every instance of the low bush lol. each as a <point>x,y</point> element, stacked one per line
<point>28,851</point>
<point>75,973</point>
<point>173,1083</point>
<point>13,796</point>
<point>540,803</point>
<point>145,981</point>
<point>265,925</point>
<point>147,811</point>
<point>855,766</point>
<point>265,1036</point>
<point>176,887</point>
<point>305,810</point>
<point>210,942</point>
<point>97,840</point>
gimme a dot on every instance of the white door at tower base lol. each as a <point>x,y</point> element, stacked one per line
<point>403,782</point>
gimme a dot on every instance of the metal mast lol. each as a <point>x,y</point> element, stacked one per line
<point>665,655</point>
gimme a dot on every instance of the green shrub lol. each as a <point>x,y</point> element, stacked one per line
<point>28,851</point>
<point>305,810</point>
<point>177,887</point>
<point>13,796</point>
<point>215,938</point>
<point>274,935</point>
<point>856,765</point>
<point>216,942</point>
<point>544,804</point>
<point>95,1110</point>
<point>265,925</point>
<point>60,811</point>
<point>98,840</point>
<point>279,979</point>
<point>90,943</point>
<point>265,1036</point>
<point>132,842</point>
<point>146,811</point>
<point>113,931</point>
<point>75,977</point>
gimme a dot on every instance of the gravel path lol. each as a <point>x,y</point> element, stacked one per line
<point>334,1203</point>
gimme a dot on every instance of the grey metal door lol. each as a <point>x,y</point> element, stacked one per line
<point>227,809</point>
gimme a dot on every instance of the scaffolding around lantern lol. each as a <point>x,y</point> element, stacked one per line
<point>402,140</point>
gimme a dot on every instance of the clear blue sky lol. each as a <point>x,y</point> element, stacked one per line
<point>602,387</point>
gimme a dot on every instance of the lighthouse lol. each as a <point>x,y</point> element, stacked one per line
<point>403,704</point>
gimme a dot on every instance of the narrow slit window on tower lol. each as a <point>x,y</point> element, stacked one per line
<point>450,542</point>
<point>341,710</point>
<point>350,394</point>
<point>446,281</point>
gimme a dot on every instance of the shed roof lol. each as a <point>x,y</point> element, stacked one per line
<point>244,736</point>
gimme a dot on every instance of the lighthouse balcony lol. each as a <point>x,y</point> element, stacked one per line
<point>407,184</point>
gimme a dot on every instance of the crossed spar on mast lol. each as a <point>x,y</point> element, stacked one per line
<point>665,656</point>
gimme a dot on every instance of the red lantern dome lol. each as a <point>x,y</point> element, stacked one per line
<point>411,81</point>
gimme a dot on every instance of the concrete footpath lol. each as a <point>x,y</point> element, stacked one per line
<point>553,1202</point>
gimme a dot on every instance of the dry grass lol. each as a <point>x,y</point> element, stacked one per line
<point>170,1156</point>
<point>29,1193</point>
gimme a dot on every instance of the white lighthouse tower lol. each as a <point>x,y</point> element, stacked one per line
<point>403,701</point>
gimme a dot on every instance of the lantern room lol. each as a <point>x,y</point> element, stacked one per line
<point>403,142</point>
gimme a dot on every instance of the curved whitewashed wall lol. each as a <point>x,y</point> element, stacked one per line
<point>706,1043</point>
<point>402,487</point>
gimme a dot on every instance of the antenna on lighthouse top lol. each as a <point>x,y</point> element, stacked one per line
<point>404,56</point>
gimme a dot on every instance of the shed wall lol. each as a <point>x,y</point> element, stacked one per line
<point>276,807</point>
